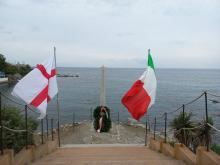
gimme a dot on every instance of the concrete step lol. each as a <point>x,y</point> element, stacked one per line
<point>106,155</point>
<point>115,162</point>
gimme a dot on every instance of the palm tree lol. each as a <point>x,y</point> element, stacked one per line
<point>203,134</point>
<point>183,120</point>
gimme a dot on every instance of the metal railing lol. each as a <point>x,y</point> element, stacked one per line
<point>160,121</point>
<point>25,131</point>
<point>182,109</point>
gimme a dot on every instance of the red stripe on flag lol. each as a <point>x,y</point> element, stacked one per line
<point>44,93</point>
<point>43,71</point>
<point>136,100</point>
<point>48,98</point>
<point>40,97</point>
<point>53,72</point>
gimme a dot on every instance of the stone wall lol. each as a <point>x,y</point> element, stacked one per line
<point>181,152</point>
<point>26,156</point>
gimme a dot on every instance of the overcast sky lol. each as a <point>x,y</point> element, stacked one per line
<point>116,33</point>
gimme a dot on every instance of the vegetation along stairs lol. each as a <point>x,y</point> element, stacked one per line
<point>106,154</point>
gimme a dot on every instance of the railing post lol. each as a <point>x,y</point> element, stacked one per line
<point>183,111</point>
<point>146,132</point>
<point>148,119</point>
<point>1,131</point>
<point>165,132</point>
<point>91,118</point>
<point>52,128</point>
<point>118,117</point>
<point>207,118</point>
<point>42,131</point>
<point>26,127</point>
<point>58,131</point>
<point>155,124</point>
<point>73,118</point>
<point>47,126</point>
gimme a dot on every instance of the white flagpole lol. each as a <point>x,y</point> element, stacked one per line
<point>102,87</point>
<point>58,106</point>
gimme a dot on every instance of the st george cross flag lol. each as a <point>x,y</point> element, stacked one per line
<point>141,96</point>
<point>39,86</point>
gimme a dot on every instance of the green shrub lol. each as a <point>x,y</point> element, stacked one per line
<point>216,148</point>
<point>14,119</point>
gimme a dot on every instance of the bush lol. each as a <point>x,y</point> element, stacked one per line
<point>13,119</point>
<point>11,69</point>
<point>216,148</point>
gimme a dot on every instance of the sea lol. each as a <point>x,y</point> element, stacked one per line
<point>79,96</point>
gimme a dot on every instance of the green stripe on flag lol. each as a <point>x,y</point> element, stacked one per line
<point>150,61</point>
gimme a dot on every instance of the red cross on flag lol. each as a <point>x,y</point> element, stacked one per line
<point>39,86</point>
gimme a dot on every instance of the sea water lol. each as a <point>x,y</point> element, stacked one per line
<point>78,96</point>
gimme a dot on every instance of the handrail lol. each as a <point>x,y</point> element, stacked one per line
<point>13,130</point>
<point>213,127</point>
<point>197,98</point>
<point>12,100</point>
<point>214,95</point>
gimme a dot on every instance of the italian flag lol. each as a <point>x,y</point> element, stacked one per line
<point>141,96</point>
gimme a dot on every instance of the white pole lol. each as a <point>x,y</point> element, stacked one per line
<point>102,87</point>
<point>58,106</point>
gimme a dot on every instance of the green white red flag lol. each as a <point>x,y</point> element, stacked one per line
<point>141,96</point>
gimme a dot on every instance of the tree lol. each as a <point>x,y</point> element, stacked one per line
<point>10,69</point>
<point>203,133</point>
<point>24,69</point>
<point>13,119</point>
<point>183,120</point>
<point>194,137</point>
<point>2,63</point>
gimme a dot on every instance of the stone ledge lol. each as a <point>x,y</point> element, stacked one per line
<point>26,156</point>
<point>181,152</point>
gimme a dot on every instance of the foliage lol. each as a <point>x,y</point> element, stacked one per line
<point>9,68</point>
<point>2,62</point>
<point>106,119</point>
<point>203,133</point>
<point>24,69</point>
<point>12,118</point>
<point>172,143</point>
<point>216,148</point>
<point>192,138</point>
<point>183,120</point>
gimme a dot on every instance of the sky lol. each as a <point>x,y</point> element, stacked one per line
<point>114,33</point>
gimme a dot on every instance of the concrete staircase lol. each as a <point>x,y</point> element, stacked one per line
<point>106,155</point>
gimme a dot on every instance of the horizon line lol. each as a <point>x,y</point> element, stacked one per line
<point>134,67</point>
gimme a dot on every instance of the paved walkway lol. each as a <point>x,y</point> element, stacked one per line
<point>84,133</point>
<point>106,155</point>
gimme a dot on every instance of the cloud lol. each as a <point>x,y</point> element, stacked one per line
<point>116,32</point>
<point>125,34</point>
<point>35,29</point>
<point>3,3</point>
<point>113,3</point>
<point>180,42</point>
<point>3,30</point>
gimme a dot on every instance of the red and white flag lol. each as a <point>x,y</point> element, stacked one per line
<point>141,96</point>
<point>39,86</point>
